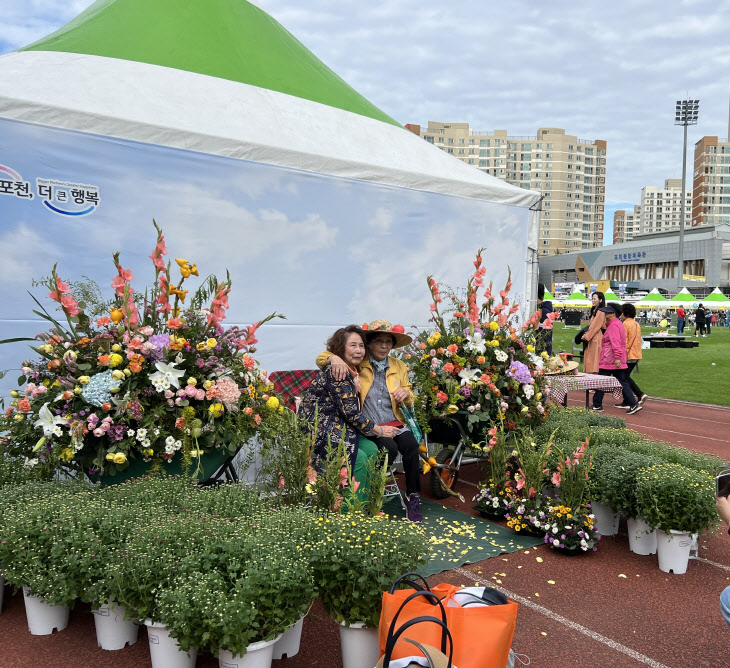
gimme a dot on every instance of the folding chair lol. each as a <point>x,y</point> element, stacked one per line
<point>391,488</point>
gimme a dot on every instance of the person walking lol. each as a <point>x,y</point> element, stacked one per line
<point>680,320</point>
<point>700,320</point>
<point>709,315</point>
<point>633,350</point>
<point>613,360</point>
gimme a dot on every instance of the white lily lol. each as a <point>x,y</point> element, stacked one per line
<point>48,421</point>
<point>167,374</point>
<point>476,343</point>
<point>469,376</point>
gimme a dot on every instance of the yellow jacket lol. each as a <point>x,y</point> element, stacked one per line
<point>396,377</point>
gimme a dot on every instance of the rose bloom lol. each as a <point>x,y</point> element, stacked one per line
<point>248,410</point>
<point>24,406</point>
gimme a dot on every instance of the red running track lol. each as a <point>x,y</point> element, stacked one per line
<point>606,609</point>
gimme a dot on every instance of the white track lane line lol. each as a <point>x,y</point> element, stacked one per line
<point>681,433</point>
<point>618,647</point>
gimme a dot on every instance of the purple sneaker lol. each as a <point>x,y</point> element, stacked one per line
<point>413,509</point>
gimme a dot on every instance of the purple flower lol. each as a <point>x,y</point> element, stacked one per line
<point>520,372</point>
<point>466,391</point>
<point>116,432</point>
<point>161,341</point>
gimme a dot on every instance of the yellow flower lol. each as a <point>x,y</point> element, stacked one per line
<point>120,458</point>
<point>115,360</point>
<point>272,403</point>
<point>84,380</point>
<point>451,408</point>
<point>67,454</point>
<point>14,393</point>
<point>530,349</point>
<point>207,384</point>
<point>433,339</point>
<point>110,457</point>
<point>538,396</point>
<point>544,355</point>
<point>192,381</point>
<point>148,452</point>
<point>117,374</point>
<point>77,390</point>
<point>211,343</point>
<point>200,347</point>
<point>493,326</point>
<point>116,348</point>
<point>127,373</point>
<point>216,410</point>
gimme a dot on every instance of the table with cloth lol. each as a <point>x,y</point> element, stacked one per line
<point>561,384</point>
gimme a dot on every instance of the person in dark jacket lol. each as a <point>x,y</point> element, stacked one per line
<point>700,320</point>
<point>544,336</point>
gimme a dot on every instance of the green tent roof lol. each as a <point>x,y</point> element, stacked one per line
<point>228,39</point>
<point>653,296</point>
<point>716,296</point>
<point>683,295</point>
<point>611,297</point>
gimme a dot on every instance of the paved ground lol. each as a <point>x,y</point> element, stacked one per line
<point>606,609</point>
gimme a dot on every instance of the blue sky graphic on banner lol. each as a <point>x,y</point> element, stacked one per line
<point>321,250</point>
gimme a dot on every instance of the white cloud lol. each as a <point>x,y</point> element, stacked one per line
<point>382,220</point>
<point>23,254</point>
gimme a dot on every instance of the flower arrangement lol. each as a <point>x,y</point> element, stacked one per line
<point>572,474</point>
<point>478,361</point>
<point>673,497</point>
<point>495,494</point>
<point>153,380</point>
<point>570,529</point>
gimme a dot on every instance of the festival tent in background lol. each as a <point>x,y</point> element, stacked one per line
<point>654,298</point>
<point>611,297</point>
<point>251,154</point>
<point>716,299</point>
<point>577,299</point>
<point>683,298</point>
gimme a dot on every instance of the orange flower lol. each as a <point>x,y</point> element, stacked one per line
<point>106,407</point>
<point>117,315</point>
<point>83,341</point>
<point>257,419</point>
<point>53,365</point>
<point>135,363</point>
<point>422,346</point>
<point>174,323</point>
<point>24,406</point>
<point>442,397</point>
<point>481,359</point>
<point>448,367</point>
<point>248,410</point>
<point>440,351</point>
<point>452,348</point>
<point>103,360</point>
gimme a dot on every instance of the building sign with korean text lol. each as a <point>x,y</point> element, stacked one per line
<point>634,256</point>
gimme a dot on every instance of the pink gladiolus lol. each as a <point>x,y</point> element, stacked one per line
<point>556,479</point>
<point>281,481</point>
<point>355,485</point>
<point>520,483</point>
<point>104,321</point>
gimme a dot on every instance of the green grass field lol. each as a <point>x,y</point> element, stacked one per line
<point>676,373</point>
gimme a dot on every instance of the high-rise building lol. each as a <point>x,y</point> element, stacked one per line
<point>711,186</point>
<point>569,172</point>
<point>626,225</point>
<point>661,207</point>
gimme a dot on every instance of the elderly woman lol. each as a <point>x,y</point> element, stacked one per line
<point>332,405</point>
<point>613,360</point>
<point>384,385</point>
<point>594,335</point>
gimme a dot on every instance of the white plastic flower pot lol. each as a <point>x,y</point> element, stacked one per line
<point>44,619</point>
<point>673,551</point>
<point>258,655</point>
<point>288,645</point>
<point>642,538</point>
<point>165,651</point>
<point>360,648</point>
<point>112,630</point>
<point>606,520</point>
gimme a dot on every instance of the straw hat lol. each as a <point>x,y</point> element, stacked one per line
<point>384,327</point>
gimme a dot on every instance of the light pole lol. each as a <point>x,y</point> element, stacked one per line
<point>685,114</point>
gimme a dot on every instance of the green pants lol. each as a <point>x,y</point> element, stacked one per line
<point>366,449</point>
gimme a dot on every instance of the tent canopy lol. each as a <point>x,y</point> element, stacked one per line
<point>577,299</point>
<point>683,298</point>
<point>611,297</point>
<point>717,298</point>
<point>223,77</point>
<point>654,298</point>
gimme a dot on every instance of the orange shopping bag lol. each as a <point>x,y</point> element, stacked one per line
<point>482,633</point>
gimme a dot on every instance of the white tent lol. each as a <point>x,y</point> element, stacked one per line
<point>251,154</point>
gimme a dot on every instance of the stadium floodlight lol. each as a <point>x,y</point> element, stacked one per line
<point>685,113</point>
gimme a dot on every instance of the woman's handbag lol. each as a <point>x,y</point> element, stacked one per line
<point>480,619</point>
<point>428,657</point>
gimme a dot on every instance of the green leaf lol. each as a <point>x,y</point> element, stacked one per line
<point>21,381</point>
<point>17,340</point>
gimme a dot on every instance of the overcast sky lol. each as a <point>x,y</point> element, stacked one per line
<point>601,70</point>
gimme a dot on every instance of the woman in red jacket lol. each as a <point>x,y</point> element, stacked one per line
<point>613,359</point>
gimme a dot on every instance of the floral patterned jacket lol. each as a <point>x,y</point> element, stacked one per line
<point>332,407</point>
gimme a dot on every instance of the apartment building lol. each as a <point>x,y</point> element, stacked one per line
<point>711,183</point>
<point>661,207</point>
<point>626,225</point>
<point>569,172</point>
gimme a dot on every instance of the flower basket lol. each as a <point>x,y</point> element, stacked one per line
<point>139,382</point>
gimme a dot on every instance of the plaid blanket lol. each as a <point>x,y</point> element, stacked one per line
<point>291,384</point>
